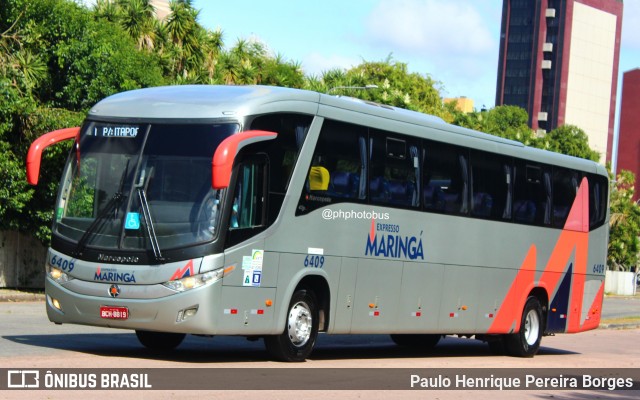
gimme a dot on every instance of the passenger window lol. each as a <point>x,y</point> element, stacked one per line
<point>598,197</point>
<point>491,185</point>
<point>283,151</point>
<point>395,170</point>
<point>338,168</point>
<point>532,194</point>
<point>445,186</point>
<point>565,188</point>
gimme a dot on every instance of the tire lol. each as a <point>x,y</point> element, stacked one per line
<point>527,342</point>
<point>160,340</point>
<point>300,331</point>
<point>422,342</point>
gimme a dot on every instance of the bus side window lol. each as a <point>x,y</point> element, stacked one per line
<point>532,194</point>
<point>598,196</point>
<point>445,186</point>
<point>283,151</point>
<point>395,170</point>
<point>491,185</point>
<point>338,167</point>
<point>565,188</point>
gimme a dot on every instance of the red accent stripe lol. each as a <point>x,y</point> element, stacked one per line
<point>187,270</point>
<point>372,233</point>
<point>595,311</point>
<point>574,239</point>
<point>508,316</point>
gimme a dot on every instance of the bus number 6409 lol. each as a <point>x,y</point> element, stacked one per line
<point>314,261</point>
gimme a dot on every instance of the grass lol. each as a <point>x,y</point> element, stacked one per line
<point>621,320</point>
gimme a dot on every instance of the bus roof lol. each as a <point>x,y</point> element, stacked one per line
<point>197,102</point>
<point>208,102</point>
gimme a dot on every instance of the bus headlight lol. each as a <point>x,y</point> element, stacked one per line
<point>58,275</point>
<point>196,281</point>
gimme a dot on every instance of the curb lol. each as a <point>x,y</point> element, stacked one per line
<point>20,297</point>
<point>620,326</point>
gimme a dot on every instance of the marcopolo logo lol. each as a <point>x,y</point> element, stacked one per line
<point>386,240</point>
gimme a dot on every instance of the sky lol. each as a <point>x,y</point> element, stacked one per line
<point>456,42</point>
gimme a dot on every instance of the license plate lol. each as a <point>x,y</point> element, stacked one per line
<point>114,312</point>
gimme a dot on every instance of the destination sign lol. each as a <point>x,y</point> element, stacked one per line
<point>116,131</point>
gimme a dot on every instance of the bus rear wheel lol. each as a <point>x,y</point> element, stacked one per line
<point>160,340</point>
<point>300,332</point>
<point>527,342</point>
<point>424,342</point>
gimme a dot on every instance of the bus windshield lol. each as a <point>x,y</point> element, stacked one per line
<point>141,186</point>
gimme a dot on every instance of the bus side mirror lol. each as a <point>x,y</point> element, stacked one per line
<point>226,152</point>
<point>34,156</point>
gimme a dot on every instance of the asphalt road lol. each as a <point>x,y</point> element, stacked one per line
<point>29,340</point>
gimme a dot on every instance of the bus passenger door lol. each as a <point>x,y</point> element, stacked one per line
<point>251,286</point>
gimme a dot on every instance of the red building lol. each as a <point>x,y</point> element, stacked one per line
<point>629,134</point>
<point>559,61</point>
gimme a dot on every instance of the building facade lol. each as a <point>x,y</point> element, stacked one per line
<point>463,104</point>
<point>629,135</point>
<point>559,61</point>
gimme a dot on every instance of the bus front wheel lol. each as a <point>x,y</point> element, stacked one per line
<point>527,342</point>
<point>160,340</point>
<point>300,332</point>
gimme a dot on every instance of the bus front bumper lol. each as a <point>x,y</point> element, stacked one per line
<point>183,312</point>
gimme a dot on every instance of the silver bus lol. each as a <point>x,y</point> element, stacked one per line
<point>278,213</point>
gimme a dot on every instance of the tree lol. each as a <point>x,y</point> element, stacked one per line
<point>396,86</point>
<point>185,35</point>
<point>509,122</point>
<point>56,60</point>
<point>137,18</point>
<point>506,121</point>
<point>624,244</point>
<point>570,140</point>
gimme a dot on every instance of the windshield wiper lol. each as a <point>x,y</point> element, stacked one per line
<point>100,220</point>
<point>146,213</point>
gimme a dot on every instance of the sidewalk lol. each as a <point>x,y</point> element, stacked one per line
<point>14,296</point>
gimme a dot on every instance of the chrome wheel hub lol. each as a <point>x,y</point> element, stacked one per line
<point>299,324</point>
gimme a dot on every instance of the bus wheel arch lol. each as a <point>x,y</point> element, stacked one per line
<point>300,330</point>
<point>307,314</point>
<point>526,342</point>
<point>319,286</point>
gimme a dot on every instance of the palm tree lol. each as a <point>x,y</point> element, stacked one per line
<point>185,32</point>
<point>213,44</point>
<point>107,9</point>
<point>137,18</point>
<point>30,69</point>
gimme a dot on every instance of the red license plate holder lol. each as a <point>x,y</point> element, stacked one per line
<point>112,312</point>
